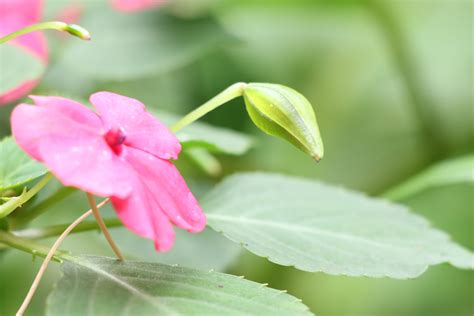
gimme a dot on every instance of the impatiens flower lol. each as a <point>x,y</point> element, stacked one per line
<point>135,5</point>
<point>119,151</point>
<point>14,15</point>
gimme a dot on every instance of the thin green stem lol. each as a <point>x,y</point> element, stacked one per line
<point>232,92</point>
<point>54,25</point>
<point>15,202</point>
<point>25,245</point>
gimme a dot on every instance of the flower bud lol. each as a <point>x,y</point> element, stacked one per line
<point>283,112</point>
<point>78,31</point>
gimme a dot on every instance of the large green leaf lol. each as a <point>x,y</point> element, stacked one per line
<point>17,66</point>
<point>449,172</point>
<point>128,46</point>
<point>318,227</point>
<point>212,138</point>
<point>104,286</point>
<point>16,168</point>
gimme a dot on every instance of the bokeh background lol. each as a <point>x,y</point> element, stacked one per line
<point>392,86</point>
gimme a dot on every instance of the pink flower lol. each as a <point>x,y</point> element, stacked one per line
<point>135,5</point>
<point>17,14</point>
<point>120,152</point>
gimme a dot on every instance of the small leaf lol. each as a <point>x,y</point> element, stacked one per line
<point>16,168</point>
<point>17,66</point>
<point>449,172</point>
<point>104,286</point>
<point>204,161</point>
<point>212,138</point>
<point>318,227</point>
<point>283,112</point>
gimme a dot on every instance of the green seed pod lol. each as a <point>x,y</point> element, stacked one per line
<point>283,112</point>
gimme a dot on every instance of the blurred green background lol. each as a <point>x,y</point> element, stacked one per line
<point>392,86</point>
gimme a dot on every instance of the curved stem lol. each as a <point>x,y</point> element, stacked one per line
<point>232,92</point>
<point>14,202</point>
<point>103,227</point>
<point>54,25</point>
<point>46,261</point>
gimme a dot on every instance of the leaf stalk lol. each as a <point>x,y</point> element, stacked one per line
<point>234,91</point>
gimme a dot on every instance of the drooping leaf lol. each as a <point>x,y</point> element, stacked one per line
<point>318,227</point>
<point>104,286</point>
<point>17,66</point>
<point>212,138</point>
<point>449,172</point>
<point>129,46</point>
<point>16,168</point>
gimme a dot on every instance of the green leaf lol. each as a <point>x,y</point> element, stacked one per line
<point>16,168</point>
<point>128,46</point>
<point>104,286</point>
<point>17,66</point>
<point>204,160</point>
<point>318,227</point>
<point>449,172</point>
<point>214,139</point>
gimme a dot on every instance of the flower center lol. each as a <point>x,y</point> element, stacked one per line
<point>115,137</point>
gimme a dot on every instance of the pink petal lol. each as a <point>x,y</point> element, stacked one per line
<point>75,153</point>
<point>71,109</point>
<point>135,5</point>
<point>143,216</point>
<point>17,14</point>
<point>30,124</point>
<point>142,130</point>
<point>168,189</point>
<point>17,92</point>
<point>160,195</point>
